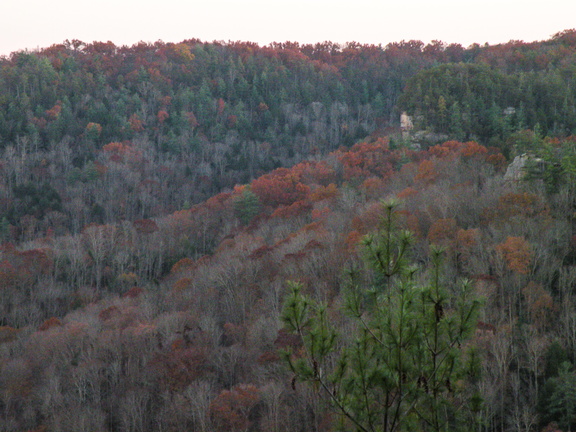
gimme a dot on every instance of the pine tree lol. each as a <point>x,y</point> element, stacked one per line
<point>247,206</point>
<point>406,363</point>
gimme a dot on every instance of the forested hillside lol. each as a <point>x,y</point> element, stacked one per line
<point>193,233</point>
<point>181,122</point>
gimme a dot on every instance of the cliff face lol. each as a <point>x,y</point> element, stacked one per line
<point>519,167</point>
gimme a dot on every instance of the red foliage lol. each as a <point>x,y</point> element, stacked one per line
<point>231,408</point>
<point>145,226</point>
<point>280,187</point>
<point>353,240</point>
<point>135,123</point>
<point>517,254</point>
<point>373,187</point>
<point>285,339</point>
<point>54,112</point>
<point>427,173</point>
<point>293,210</point>
<point>108,313</point>
<point>456,148</point>
<point>540,304</point>
<point>133,292</point>
<point>183,264</point>
<point>93,129</point>
<point>368,158</point>
<point>320,213</point>
<point>49,323</point>
<point>521,204</point>
<point>407,193</point>
<point>179,367</point>
<point>483,329</point>
<point>232,120</point>
<point>310,173</point>
<point>260,252</point>
<point>192,121</point>
<point>369,220</point>
<point>162,116</point>
<point>442,230</point>
<point>182,284</point>
<point>268,357</point>
<point>25,267</point>
<point>220,105</point>
<point>322,193</point>
<point>122,152</point>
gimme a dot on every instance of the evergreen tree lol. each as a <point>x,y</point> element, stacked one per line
<point>247,206</point>
<point>403,366</point>
<point>560,403</point>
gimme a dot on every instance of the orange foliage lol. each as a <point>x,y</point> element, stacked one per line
<point>20,268</point>
<point>93,129</point>
<point>521,204</point>
<point>135,123</point>
<point>220,105</point>
<point>368,158</point>
<point>320,213</point>
<point>36,261</point>
<point>472,148</point>
<point>192,121</point>
<point>442,230</point>
<point>133,292</point>
<point>182,51</point>
<point>373,187</point>
<point>369,220</point>
<point>319,173</point>
<point>407,193</point>
<point>218,202</point>
<point>540,304</point>
<point>465,241</point>
<point>108,313</point>
<point>497,160</point>
<point>517,254</point>
<point>268,357</point>
<point>182,284</point>
<point>49,323</point>
<point>426,172</point>
<point>231,408</point>
<point>296,209</point>
<point>162,116</point>
<point>353,240</point>
<point>321,193</point>
<point>145,226</point>
<point>183,264</point>
<point>285,339</point>
<point>181,366</point>
<point>122,152</point>
<point>457,148</point>
<point>280,187</point>
<point>467,238</point>
<point>54,112</point>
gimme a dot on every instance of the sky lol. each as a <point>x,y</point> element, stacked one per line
<point>31,24</point>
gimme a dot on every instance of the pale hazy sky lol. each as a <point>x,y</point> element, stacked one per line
<point>29,24</point>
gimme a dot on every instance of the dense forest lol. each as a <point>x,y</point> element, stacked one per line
<point>227,237</point>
